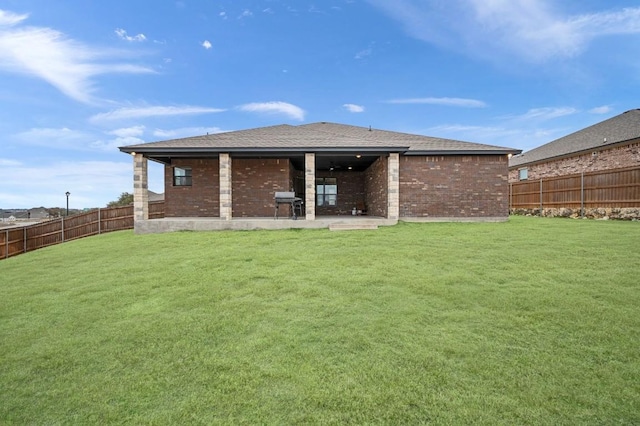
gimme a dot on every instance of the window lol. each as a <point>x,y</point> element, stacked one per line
<point>182,176</point>
<point>523,174</point>
<point>326,191</point>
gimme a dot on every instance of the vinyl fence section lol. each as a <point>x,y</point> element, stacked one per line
<point>15,241</point>
<point>609,189</point>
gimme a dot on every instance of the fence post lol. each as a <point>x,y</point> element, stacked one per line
<point>62,229</point>
<point>582,195</point>
<point>541,197</point>
<point>6,240</point>
<point>24,239</point>
<point>510,196</point>
<point>99,221</point>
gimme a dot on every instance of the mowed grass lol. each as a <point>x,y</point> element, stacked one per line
<point>534,321</point>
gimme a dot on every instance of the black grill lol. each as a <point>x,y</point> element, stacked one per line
<point>291,199</point>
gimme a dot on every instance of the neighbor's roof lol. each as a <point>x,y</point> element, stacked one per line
<point>314,137</point>
<point>621,128</point>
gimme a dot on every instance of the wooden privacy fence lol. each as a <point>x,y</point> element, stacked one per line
<point>606,189</point>
<point>14,241</point>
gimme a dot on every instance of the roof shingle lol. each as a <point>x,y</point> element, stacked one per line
<point>621,128</point>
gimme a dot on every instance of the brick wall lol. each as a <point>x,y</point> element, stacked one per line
<point>454,186</point>
<point>376,186</point>
<point>350,192</point>
<point>606,159</point>
<point>255,182</point>
<point>202,198</point>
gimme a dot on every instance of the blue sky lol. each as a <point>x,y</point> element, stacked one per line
<point>80,78</point>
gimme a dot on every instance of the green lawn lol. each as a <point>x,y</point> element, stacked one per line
<point>534,321</point>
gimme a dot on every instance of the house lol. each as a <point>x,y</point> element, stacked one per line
<point>610,144</point>
<point>594,172</point>
<point>336,170</point>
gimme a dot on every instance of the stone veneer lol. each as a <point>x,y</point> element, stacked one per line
<point>140,188</point>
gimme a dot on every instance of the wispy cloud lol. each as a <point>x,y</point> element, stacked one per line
<point>84,179</point>
<point>66,64</point>
<point>363,53</point>
<point>151,111</point>
<point>545,113</point>
<point>535,31</point>
<point>604,109</point>
<point>282,108</point>
<point>9,18</point>
<point>123,35</point>
<point>456,102</point>
<point>353,108</point>
<point>206,44</point>
<point>66,139</point>
<point>245,14</point>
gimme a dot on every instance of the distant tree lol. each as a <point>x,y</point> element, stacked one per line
<point>124,200</point>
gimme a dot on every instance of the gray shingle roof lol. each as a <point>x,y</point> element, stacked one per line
<point>320,136</point>
<point>621,128</point>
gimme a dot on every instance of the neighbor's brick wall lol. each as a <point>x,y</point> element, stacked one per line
<point>255,182</point>
<point>607,159</point>
<point>454,186</point>
<point>202,198</point>
<point>376,187</point>
<point>350,191</point>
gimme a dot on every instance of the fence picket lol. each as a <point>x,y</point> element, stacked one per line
<point>29,238</point>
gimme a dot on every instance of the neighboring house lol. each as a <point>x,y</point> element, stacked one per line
<point>335,169</point>
<point>154,196</point>
<point>610,144</point>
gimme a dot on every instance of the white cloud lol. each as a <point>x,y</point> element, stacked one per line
<point>284,108</point>
<point>125,132</point>
<point>535,31</point>
<point>604,109</point>
<point>91,183</point>
<point>66,64</point>
<point>223,15</point>
<point>363,53</point>
<point>457,102</point>
<point>206,44</point>
<point>151,111</point>
<point>123,35</point>
<point>9,18</point>
<point>5,162</point>
<point>74,140</point>
<point>186,132</point>
<point>245,14</point>
<point>546,113</point>
<point>353,108</point>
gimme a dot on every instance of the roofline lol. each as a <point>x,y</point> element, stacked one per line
<point>464,152</point>
<point>301,150</point>
<point>575,153</point>
<point>218,150</point>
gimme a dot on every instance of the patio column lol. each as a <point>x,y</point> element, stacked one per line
<point>140,188</point>
<point>310,186</point>
<point>393,187</point>
<point>226,212</point>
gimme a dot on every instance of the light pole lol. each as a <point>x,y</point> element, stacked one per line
<point>67,194</point>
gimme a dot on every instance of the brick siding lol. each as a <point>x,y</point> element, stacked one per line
<point>594,161</point>
<point>255,182</point>
<point>350,192</point>
<point>454,186</point>
<point>202,198</point>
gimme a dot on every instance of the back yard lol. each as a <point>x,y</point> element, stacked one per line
<point>534,321</point>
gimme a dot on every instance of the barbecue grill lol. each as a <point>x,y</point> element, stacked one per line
<point>288,198</point>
